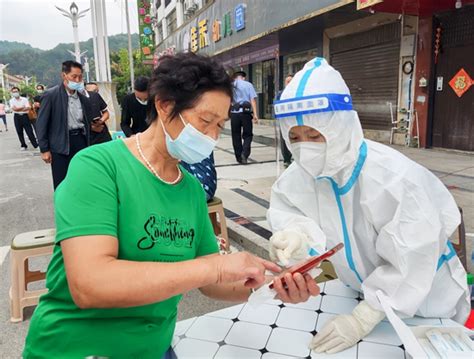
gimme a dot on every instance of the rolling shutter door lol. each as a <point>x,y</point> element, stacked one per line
<point>369,63</point>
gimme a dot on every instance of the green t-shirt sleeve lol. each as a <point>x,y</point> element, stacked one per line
<point>208,242</point>
<point>86,201</point>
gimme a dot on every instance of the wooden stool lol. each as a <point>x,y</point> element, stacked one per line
<point>25,246</point>
<point>215,207</point>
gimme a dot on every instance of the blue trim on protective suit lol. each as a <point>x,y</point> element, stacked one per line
<point>358,167</point>
<point>299,120</point>
<point>446,257</point>
<point>313,252</point>
<point>302,85</point>
<point>340,191</point>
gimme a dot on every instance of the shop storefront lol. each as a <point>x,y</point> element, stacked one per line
<point>255,38</point>
<point>369,63</point>
<point>453,99</point>
<point>258,59</point>
<point>442,70</point>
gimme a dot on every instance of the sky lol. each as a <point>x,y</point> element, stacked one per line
<point>40,24</point>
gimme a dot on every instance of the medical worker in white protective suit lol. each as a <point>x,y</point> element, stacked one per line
<point>393,215</point>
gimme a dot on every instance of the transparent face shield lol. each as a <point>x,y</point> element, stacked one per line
<point>324,113</point>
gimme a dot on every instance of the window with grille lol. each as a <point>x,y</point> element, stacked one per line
<point>171,22</point>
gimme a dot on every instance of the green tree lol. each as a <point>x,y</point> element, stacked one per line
<point>4,95</point>
<point>28,90</point>
<point>120,70</point>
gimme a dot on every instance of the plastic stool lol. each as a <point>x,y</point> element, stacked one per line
<point>25,246</point>
<point>215,207</point>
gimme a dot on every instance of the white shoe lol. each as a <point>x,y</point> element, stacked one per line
<point>23,148</point>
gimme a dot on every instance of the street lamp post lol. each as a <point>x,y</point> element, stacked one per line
<point>130,49</point>
<point>74,14</point>
<point>2,76</point>
<point>27,80</point>
<point>86,68</point>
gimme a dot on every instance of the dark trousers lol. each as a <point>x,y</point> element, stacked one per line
<point>60,163</point>
<point>100,137</point>
<point>242,126</point>
<point>22,122</point>
<point>33,124</point>
<point>284,150</point>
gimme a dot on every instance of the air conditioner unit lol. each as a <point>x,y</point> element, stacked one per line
<point>190,7</point>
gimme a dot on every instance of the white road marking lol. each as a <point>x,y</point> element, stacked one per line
<point>3,253</point>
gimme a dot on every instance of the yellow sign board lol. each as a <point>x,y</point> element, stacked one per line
<point>362,4</point>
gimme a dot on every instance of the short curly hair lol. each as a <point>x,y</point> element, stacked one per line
<point>183,78</point>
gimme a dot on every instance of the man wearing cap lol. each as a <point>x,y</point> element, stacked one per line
<point>243,112</point>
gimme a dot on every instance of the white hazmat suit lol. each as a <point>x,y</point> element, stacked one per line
<point>393,215</point>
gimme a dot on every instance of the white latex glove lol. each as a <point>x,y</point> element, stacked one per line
<point>345,331</point>
<point>289,246</point>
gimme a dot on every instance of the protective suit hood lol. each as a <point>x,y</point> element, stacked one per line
<point>319,98</point>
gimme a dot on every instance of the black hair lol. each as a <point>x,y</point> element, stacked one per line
<point>183,79</point>
<point>39,85</point>
<point>240,73</point>
<point>91,83</point>
<point>141,84</point>
<point>1,101</point>
<point>15,88</point>
<point>290,75</point>
<point>69,64</point>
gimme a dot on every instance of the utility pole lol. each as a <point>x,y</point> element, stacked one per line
<point>74,14</point>
<point>86,68</point>
<point>130,50</point>
<point>101,41</point>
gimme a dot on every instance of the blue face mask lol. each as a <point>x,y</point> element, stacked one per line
<point>75,86</point>
<point>191,146</point>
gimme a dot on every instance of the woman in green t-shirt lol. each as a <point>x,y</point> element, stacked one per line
<point>133,232</point>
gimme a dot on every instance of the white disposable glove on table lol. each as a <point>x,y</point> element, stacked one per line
<point>289,246</point>
<point>345,331</point>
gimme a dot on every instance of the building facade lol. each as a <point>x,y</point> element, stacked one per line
<point>384,52</point>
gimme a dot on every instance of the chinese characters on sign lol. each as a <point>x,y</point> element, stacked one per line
<point>461,82</point>
<point>220,29</point>
<point>203,38</point>
<point>227,26</point>
<point>239,17</point>
<point>145,29</point>
<point>194,39</point>
<point>216,31</point>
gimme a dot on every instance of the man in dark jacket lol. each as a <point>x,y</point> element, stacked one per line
<point>64,121</point>
<point>134,108</point>
<point>100,114</point>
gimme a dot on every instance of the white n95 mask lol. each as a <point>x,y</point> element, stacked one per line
<point>311,156</point>
<point>191,146</point>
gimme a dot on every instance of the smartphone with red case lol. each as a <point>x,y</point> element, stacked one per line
<point>310,263</point>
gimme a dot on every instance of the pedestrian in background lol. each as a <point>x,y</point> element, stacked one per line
<point>20,107</point>
<point>284,148</point>
<point>37,98</point>
<point>64,121</point>
<point>100,114</point>
<point>36,103</point>
<point>243,112</point>
<point>3,115</point>
<point>134,108</point>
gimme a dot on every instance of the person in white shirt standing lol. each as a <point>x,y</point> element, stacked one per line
<point>20,107</point>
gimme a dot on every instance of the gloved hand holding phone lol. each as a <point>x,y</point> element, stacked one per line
<point>289,246</point>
